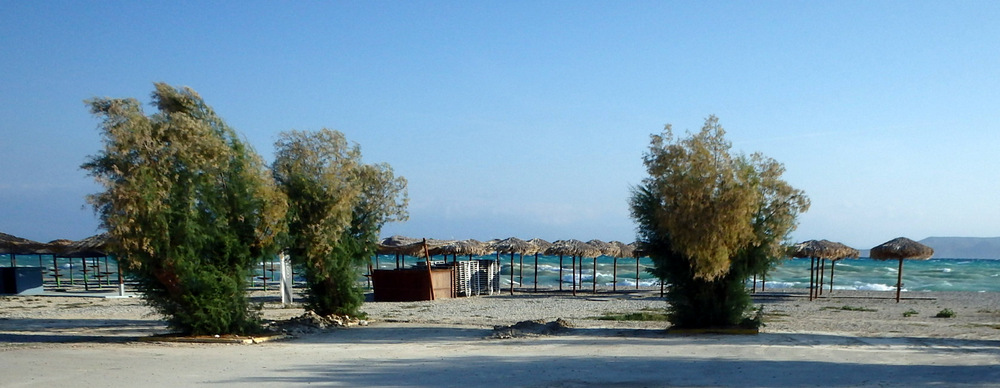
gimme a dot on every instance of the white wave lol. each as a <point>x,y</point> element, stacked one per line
<point>777,284</point>
<point>946,270</point>
<point>873,287</point>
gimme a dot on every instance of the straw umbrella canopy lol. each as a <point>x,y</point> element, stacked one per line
<point>538,246</point>
<point>898,249</point>
<point>621,250</point>
<point>406,246</point>
<point>848,253</point>
<point>820,250</point>
<point>563,248</point>
<point>604,249</point>
<point>93,246</point>
<point>398,245</point>
<point>513,245</point>
<point>462,247</point>
<point>13,246</point>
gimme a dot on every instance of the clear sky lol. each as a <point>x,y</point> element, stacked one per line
<point>530,118</point>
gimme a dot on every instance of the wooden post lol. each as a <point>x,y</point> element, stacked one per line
<point>560,271</point>
<point>899,279</point>
<point>614,275</point>
<point>594,280</point>
<point>55,271</point>
<point>637,273</point>
<point>86,284</point>
<point>833,265</point>
<point>520,268</point>
<point>812,276</point>
<point>512,272</point>
<point>573,270</point>
<point>822,275</point>
<point>430,277</point>
<point>536,271</point>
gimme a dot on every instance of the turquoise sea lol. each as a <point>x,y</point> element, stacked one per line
<point>981,275</point>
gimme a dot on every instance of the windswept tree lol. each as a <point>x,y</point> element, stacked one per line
<point>710,218</point>
<point>337,207</point>
<point>190,206</point>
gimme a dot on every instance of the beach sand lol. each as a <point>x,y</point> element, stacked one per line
<point>848,338</point>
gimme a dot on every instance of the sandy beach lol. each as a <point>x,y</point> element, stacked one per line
<point>849,338</point>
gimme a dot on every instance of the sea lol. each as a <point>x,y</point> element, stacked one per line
<point>938,274</point>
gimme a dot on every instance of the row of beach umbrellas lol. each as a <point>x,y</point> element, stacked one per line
<point>93,246</point>
<point>405,246</point>
<point>593,248</point>
<point>818,251</point>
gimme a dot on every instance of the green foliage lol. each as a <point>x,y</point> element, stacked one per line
<point>710,219</point>
<point>945,313</point>
<point>337,206</point>
<point>190,207</point>
<point>910,313</point>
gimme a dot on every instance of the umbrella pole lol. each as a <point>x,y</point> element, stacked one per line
<point>536,271</point>
<point>560,272</point>
<point>573,270</point>
<point>614,275</point>
<point>833,265</point>
<point>55,271</point>
<point>430,275</point>
<point>520,268</point>
<point>594,280</point>
<point>812,276</point>
<point>512,273</point>
<point>86,283</point>
<point>822,275</point>
<point>899,279</point>
<point>637,273</point>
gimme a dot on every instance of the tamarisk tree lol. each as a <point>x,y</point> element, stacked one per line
<point>709,219</point>
<point>188,204</point>
<point>337,207</point>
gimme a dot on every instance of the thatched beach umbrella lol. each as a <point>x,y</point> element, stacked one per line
<point>513,245</point>
<point>817,250</point>
<point>848,253</point>
<point>585,250</point>
<point>539,246</point>
<point>622,250</point>
<point>562,248</point>
<point>604,249</point>
<point>13,246</point>
<point>93,247</point>
<point>405,246</point>
<point>468,248</point>
<point>898,249</point>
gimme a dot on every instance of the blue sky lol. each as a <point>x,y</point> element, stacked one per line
<point>530,118</point>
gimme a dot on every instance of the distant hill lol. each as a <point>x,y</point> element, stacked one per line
<point>964,247</point>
